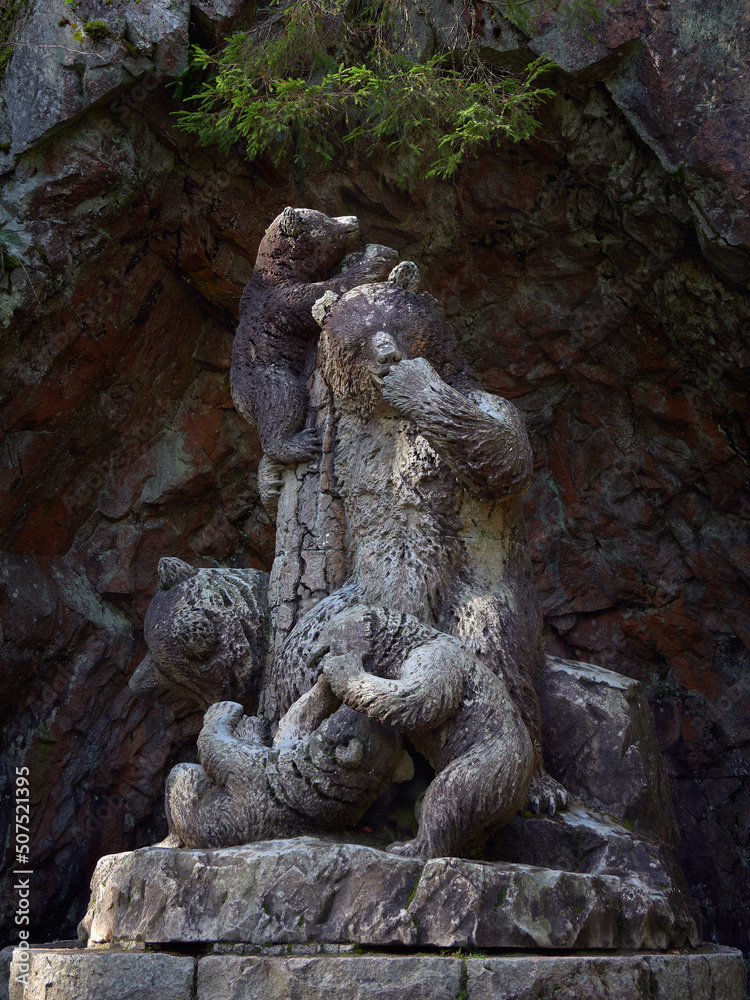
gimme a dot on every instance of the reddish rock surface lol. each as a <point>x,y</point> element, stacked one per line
<point>581,288</point>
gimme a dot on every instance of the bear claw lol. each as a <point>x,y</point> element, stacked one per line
<point>301,447</point>
<point>545,795</point>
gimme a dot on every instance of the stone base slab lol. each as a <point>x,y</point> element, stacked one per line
<point>311,890</point>
<point>707,973</point>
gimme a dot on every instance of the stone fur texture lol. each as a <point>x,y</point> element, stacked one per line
<point>274,343</point>
<point>207,635</point>
<point>326,766</point>
<point>455,711</point>
<point>431,471</point>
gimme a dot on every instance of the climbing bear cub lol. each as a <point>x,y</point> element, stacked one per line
<point>273,348</point>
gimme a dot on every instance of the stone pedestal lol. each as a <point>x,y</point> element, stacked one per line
<point>311,890</point>
<point>708,973</point>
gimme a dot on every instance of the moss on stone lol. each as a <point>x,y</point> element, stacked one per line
<point>97,30</point>
<point>9,16</point>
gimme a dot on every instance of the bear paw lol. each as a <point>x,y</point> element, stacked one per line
<point>377,261</point>
<point>409,381</point>
<point>407,848</point>
<point>224,712</point>
<point>406,276</point>
<point>341,671</point>
<point>301,447</point>
<point>545,794</point>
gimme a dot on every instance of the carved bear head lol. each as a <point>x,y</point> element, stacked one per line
<point>207,635</point>
<point>304,245</point>
<point>369,329</point>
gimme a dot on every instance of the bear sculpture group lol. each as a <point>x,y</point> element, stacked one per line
<point>434,635</point>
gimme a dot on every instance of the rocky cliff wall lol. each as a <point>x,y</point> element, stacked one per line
<point>597,275</point>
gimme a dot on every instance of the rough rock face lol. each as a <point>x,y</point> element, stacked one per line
<point>63,67</point>
<point>579,283</point>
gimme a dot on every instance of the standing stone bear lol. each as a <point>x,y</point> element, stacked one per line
<point>456,713</point>
<point>431,470</point>
<point>276,331</point>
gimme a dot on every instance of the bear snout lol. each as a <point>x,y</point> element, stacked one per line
<point>385,350</point>
<point>348,222</point>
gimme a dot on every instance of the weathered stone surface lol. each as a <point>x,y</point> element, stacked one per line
<point>365,977</point>
<point>66,974</point>
<point>309,889</point>
<point>712,973</point>
<point>676,74</point>
<point>275,891</point>
<point>219,18</point>
<point>570,269</point>
<point>603,745</point>
<point>58,70</point>
<point>582,840</point>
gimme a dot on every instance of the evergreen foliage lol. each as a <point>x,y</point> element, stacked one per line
<point>10,13</point>
<point>15,244</point>
<point>312,75</point>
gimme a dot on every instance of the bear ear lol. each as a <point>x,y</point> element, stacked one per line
<point>172,571</point>
<point>322,306</point>
<point>290,223</point>
<point>406,276</point>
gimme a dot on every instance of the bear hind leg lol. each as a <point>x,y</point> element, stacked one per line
<point>444,821</point>
<point>277,400</point>
<point>472,797</point>
<point>196,808</point>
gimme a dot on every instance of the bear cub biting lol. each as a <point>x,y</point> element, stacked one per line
<point>456,712</point>
<point>273,347</point>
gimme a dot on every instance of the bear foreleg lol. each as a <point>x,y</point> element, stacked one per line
<point>307,713</point>
<point>481,437</point>
<point>198,811</point>
<point>225,757</point>
<point>427,690</point>
<point>375,264</point>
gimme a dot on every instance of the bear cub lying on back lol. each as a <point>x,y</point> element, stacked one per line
<point>276,332</point>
